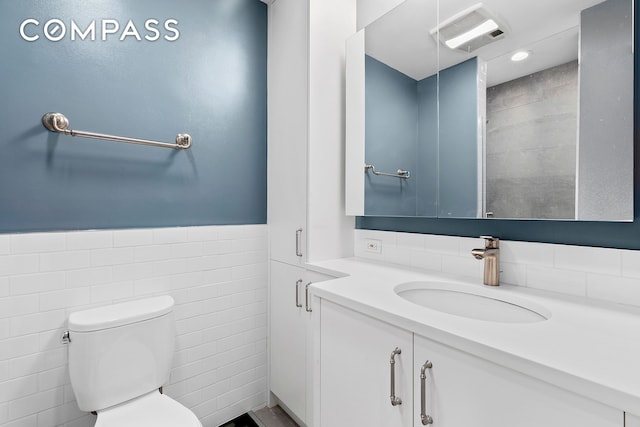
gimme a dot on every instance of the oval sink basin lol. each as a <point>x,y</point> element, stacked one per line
<point>480,304</point>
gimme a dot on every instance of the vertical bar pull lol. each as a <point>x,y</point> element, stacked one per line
<point>298,283</point>
<point>298,242</point>
<point>306,298</point>
<point>426,419</point>
<point>395,401</point>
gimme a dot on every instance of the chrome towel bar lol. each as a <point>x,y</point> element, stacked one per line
<point>403,174</point>
<point>56,122</point>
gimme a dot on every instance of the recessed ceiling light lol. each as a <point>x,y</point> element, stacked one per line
<point>520,56</point>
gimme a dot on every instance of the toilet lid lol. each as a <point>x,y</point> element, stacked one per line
<point>151,410</point>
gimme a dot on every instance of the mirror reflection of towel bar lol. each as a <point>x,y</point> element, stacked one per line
<point>402,174</point>
<point>57,122</point>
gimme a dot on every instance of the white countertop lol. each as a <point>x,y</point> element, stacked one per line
<point>587,347</point>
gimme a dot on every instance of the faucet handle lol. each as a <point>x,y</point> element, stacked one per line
<point>491,242</point>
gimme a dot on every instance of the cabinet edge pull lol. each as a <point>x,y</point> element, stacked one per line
<point>298,242</point>
<point>395,401</point>
<point>426,419</point>
<point>298,283</point>
<point>306,298</point>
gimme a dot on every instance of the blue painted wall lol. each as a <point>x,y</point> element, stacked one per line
<point>391,132</point>
<point>401,130</point>
<point>210,83</point>
<point>458,142</point>
<point>427,174</point>
<point>623,235</point>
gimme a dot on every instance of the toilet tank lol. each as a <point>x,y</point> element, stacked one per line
<point>121,351</point>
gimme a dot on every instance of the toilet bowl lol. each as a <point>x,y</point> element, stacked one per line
<point>119,357</point>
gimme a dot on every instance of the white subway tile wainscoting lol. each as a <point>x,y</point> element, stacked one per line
<point>604,274</point>
<point>216,274</point>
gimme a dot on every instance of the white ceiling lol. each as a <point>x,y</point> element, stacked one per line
<point>547,28</point>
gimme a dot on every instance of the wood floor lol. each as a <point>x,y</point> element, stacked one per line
<point>274,417</point>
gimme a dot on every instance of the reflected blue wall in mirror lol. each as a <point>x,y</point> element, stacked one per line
<point>427,174</point>
<point>391,108</point>
<point>458,146</point>
<point>403,113</point>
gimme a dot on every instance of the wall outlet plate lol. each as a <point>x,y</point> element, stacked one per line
<point>372,245</point>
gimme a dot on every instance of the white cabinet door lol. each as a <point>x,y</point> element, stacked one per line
<point>291,331</point>
<point>288,128</point>
<point>355,370</point>
<point>288,329</point>
<point>463,390</point>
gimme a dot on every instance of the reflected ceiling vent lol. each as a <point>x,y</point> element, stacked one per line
<point>470,29</point>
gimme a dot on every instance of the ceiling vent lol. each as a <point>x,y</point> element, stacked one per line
<point>470,29</point>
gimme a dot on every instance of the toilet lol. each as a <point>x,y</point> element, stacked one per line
<point>119,357</point>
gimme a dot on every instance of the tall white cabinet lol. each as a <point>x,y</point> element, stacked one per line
<point>288,129</point>
<point>306,62</point>
<point>305,179</point>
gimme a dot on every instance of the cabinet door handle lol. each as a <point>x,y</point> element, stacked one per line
<point>298,242</point>
<point>395,401</point>
<point>298,283</point>
<point>306,298</point>
<point>426,419</point>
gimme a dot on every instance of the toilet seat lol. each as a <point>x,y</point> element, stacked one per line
<point>150,410</point>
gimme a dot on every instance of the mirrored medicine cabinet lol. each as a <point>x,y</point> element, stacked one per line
<point>502,109</point>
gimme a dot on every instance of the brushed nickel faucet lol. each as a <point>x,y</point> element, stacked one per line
<point>491,256</point>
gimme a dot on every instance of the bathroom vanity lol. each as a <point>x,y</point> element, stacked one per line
<point>386,357</point>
